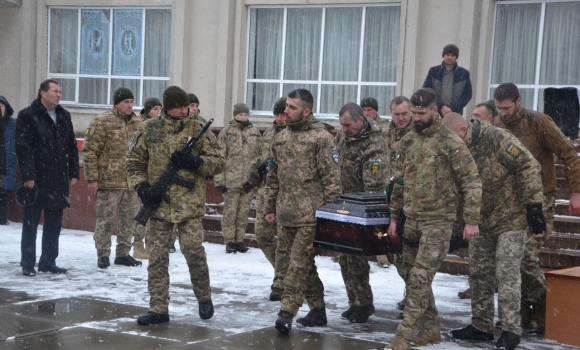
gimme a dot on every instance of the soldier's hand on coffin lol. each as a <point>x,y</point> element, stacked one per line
<point>184,160</point>
<point>470,231</point>
<point>270,218</point>
<point>392,231</point>
<point>536,219</point>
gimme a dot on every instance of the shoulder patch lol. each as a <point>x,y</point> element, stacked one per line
<point>375,166</point>
<point>272,164</point>
<point>334,154</point>
<point>468,159</point>
<point>513,150</point>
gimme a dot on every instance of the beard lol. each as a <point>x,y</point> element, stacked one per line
<point>420,128</point>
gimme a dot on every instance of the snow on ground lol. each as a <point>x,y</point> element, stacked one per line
<point>240,282</point>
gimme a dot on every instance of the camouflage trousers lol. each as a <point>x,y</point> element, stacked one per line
<point>421,264</point>
<point>190,235</point>
<point>496,257</point>
<point>355,274</point>
<point>107,205</point>
<point>295,257</point>
<point>265,232</point>
<point>141,232</point>
<point>235,216</point>
<point>533,279</point>
<point>397,260</point>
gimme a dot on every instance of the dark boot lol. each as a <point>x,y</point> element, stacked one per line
<point>507,341</point>
<point>348,313</point>
<point>28,271</point>
<point>315,317</point>
<point>401,305</point>
<point>230,248</point>
<point>276,294</point>
<point>52,268</point>
<point>172,248</point>
<point>241,247</point>
<point>466,294</point>
<point>127,260</point>
<point>103,262</point>
<point>471,333</point>
<point>284,322</point>
<point>152,318</point>
<point>361,313</point>
<point>206,309</point>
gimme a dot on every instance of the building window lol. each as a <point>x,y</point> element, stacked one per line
<point>536,45</point>
<point>341,54</point>
<point>94,51</point>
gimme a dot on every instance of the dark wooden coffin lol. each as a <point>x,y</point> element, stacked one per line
<point>356,223</point>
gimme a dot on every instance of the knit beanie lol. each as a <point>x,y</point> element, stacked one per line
<point>451,49</point>
<point>122,94</point>
<point>279,106</point>
<point>241,108</point>
<point>369,102</point>
<point>174,96</point>
<point>193,98</point>
<point>150,103</point>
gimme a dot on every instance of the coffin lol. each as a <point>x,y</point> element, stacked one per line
<point>356,223</point>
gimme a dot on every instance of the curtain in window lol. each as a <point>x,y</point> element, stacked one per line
<point>515,43</point>
<point>157,43</point>
<point>266,44</point>
<point>302,57</point>
<point>381,44</point>
<point>561,45</point>
<point>127,42</point>
<point>63,41</point>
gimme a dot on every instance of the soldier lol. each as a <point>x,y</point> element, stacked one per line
<point>156,142</point>
<point>363,168</point>
<point>266,232</point>
<point>105,147</point>
<point>302,176</point>
<point>435,164</point>
<point>194,107</point>
<point>370,107</point>
<point>151,108</point>
<point>399,126</point>
<point>240,144</point>
<point>486,111</point>
<point>506,167</point>
<point>543,139</point>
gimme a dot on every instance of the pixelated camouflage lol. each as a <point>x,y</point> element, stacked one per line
<point>105,147</point>
<point>150,153</point>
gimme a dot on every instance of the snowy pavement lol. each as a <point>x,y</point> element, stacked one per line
<point>244,317</point>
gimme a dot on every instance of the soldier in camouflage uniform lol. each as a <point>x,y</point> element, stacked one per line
<point>240,143</point>
<point>194,107</point>
<point>157,142</point>
<point>399,126</point>
<point>266,232</point>
<point>105,147</point>
<point>435,164</point>
<point>363,168</point>
<point>370,107</point>
<point>302,176</point>
<point>506,167</point>
<point>544,139</point>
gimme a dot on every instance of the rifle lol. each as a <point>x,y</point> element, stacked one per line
<point>170,175</point>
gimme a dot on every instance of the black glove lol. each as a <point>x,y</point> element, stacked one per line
<point>184,160</point>
<point>401,224</point>
<point>263,169</point>
<point>536,220</point>
<point>457,242</point>
<point>221,188</point>
<point>147,197</point>
<point>254,178</point>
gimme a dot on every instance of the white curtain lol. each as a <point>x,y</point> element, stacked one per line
<point>381,44</point>
<point>266,44</point>
<point>63,41</point>
<point>157,43</point>
<point>302,58</point>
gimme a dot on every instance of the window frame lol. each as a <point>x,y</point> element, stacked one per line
<point>319,82</point>
<point>109,76</point>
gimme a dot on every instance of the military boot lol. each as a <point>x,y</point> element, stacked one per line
<point>127,260</point>
<point>538,324</point>
<point>361,313</point>
<point>276,294</point>
<point>152,317</point>
<point>398,343</point>
<point>427,335</point>
<point>241,247</point>
<point>507,341</point>
<point>206,309</point>
<point>230,248</point>
<point>139,251</point>
<point>466,294</point>
<point>348,312</point>
<point>471,333</point>
<point>401,305</point>
<point>315,317</point>
<point>103,262</point>
<point>284,322</point>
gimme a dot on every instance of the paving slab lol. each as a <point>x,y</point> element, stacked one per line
<point>10,297</point>
<point>72,311</point>
<point>16,326</point>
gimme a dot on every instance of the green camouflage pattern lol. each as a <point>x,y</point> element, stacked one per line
<point>149,156</point>
<point>235,214</point>
<point>105,147</point>
<point>108,203</point>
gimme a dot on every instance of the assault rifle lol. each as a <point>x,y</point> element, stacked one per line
<point>170,175</point>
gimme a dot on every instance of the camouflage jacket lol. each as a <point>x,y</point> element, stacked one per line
<point>241,150</point>
<point>362,160</point>
<point>105,147</point>
<point>436,164</point>
<point>267,142</point>
<point>543,138</point>
<point>508,169</point>
<point>302,175</point>
<point>149,156</point>
<point>393,138</point>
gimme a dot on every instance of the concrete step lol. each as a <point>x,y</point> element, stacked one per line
<point>559,258</point>
<point>563,241</point>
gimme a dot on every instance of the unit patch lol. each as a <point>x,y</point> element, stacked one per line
<point>513,150</point>
<point>334,155</point>
<point>375,166</point>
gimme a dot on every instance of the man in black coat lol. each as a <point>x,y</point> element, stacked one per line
<point>451,83</point>
<point>48,159</point>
